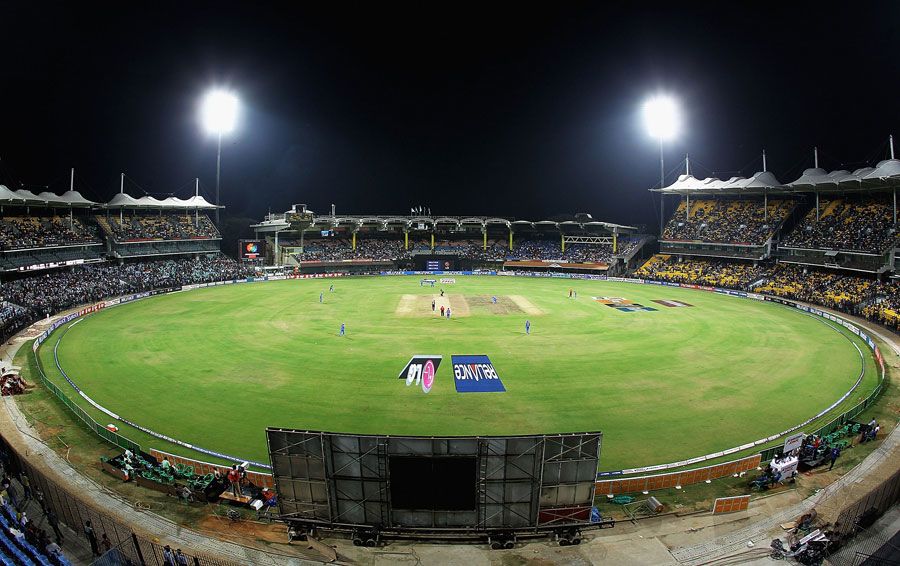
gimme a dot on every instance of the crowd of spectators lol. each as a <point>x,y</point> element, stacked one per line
<point>34,297</point>
<point>159,227</point>
<point>828,288</point>
<point>385,249</point>
<point>27,232</point>
<point>853,294</point>
<point>727,221</point>
<point>708,272</point>
<point>339,249</point>
<point>551,250</point>
<point>12,319</point>
<point>886,306</point>
<point>864,224</point>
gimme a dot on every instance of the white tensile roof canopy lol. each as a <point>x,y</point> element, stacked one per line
<point>885,175</point>
<point>25,197</point>
<point>196,202</point>
<point>74,199</point>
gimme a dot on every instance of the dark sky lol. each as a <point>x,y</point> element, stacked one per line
<point>516,109</point>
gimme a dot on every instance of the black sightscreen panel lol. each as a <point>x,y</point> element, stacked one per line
<point>433,483</point>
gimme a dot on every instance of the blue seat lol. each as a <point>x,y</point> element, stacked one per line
<point>10,546</point>
<point>25,547</point>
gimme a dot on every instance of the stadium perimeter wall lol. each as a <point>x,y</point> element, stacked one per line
<point>605,486</point>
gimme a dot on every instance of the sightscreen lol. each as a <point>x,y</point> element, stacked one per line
<point>433,484</point>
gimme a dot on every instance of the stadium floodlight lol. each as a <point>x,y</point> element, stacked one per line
<point>218,113</point>
<point>662,120</point>
<point>661,117</point>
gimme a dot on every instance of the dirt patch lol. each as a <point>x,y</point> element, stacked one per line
<point>407,305</point>
<point>504,305</point>
<point>281,325</point>
<point>459,304</point>
<point>420,305</point>
<point>525,304</point>
<point>251,532</point>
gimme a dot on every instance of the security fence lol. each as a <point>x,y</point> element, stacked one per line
<point>863,512</point>
<point>74,511</point>
<point>835,423</point>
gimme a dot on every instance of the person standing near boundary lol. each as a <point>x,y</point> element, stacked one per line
<point>26,486</point>
<point>234,478</point>
<point>92,538</point>
<point>835,452</point>
<point>527,327</point>
<point>54,524</point>
<point>168,556</point>
<point>343,330</point>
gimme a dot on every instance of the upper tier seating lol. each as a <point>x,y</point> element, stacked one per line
<point>728,221</point>
<point>862,224</point>
<point>158,227</point>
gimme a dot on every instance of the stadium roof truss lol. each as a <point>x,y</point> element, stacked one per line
<point>587,239</point>
<point>279,222</point>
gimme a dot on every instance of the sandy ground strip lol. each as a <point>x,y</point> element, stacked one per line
<point>525,304</point>
<point>420,305</point>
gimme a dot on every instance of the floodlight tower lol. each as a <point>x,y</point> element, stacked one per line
<point>662,120</point>
<point>218,113</point>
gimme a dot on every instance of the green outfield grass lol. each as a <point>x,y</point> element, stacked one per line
<point>215,366</point>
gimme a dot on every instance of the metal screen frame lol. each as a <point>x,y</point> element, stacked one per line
<point>523,482</point>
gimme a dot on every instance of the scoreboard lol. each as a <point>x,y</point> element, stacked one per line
<point>251,249</point>
<point>438,263</point>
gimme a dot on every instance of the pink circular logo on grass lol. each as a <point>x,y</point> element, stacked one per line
<point>427,376</point>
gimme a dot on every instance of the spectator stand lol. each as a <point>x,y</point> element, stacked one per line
<point>734,218</point>
<point>351,243</point>
<point>147,226</point>
<point>844,228</point>
<point>850,218</point>
<point>34,235</point>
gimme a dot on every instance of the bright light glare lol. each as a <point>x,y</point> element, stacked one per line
<point>219,112</point>
<point>661,117</point>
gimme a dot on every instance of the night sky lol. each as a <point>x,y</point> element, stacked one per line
<point>376,107</point>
